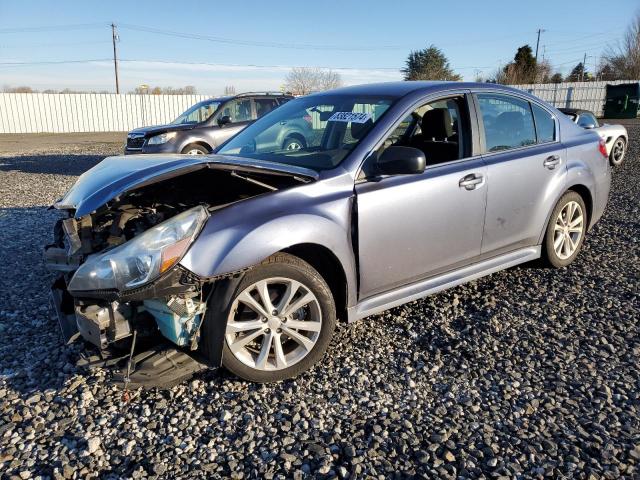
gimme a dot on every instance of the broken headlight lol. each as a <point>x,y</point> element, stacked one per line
<point>143,258</point>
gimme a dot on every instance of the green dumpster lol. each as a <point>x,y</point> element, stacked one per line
<point>622,101</point>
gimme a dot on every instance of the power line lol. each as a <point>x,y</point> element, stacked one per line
<point>238,65</point>
<point>51,62</point>
<point>51,28</point>
<point>251,43</point>
<point>52,44</point>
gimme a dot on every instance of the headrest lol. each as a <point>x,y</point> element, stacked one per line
<point>436,124</point>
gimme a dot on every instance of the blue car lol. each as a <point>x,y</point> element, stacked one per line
<point>249,256</point>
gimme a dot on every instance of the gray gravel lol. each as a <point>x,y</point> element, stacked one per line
<point>528,373</point>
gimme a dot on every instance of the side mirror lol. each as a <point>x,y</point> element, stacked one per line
<point>589,126</point>
<point>401,161</point>
<point>223,120</point>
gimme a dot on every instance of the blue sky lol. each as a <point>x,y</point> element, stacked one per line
<point>252,45</point>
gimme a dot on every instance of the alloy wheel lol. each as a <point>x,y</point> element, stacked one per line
<point>568,230</point>
<point>195,151</point>
<point>618,150</point>
<point>273,324</point>
<point>293,145</point>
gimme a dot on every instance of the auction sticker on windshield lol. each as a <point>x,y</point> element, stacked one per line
<point>350,117</point>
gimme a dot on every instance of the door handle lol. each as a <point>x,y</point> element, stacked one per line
<point>470,181</point>
<point>551,162</point>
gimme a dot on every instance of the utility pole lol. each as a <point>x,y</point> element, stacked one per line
<point>584,66</point>
<point>114,37</point>
<point>540,30</point>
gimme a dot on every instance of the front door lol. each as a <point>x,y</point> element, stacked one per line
<point>414,226</point>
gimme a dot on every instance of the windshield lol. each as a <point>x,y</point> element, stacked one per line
<point>315,132</point>
<point>198,113</point>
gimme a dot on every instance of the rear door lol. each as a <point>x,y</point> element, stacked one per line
<point>526,167</point>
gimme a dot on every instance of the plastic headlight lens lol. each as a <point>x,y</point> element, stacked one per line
<point>162,138</point>
<point>143,258</point>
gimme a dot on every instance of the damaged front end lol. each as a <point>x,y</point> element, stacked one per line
<point>119,277</point>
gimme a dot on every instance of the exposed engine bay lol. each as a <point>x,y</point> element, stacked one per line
<point>155,294</point>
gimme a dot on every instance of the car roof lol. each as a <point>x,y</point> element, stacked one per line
<point>400,89</point>
<point>247,94</point>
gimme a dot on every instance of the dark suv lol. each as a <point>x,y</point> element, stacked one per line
<point>210,123</point>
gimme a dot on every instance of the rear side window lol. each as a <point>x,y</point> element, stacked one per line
<point>264,105</point>
<point>508,122</point>
<point>545,124</point>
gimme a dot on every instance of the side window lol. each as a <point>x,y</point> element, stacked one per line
<point>508,122</point>
<point>264,106</point>
<point>238,110</point>
<point>441,129</point>
<point>545,124</point>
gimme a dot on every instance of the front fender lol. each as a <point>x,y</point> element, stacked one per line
<point>243,235</point>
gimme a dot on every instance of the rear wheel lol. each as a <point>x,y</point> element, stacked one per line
<point>618,151</point>
<point>194,149</point>
<point>566,230</point>
<point>279,321</point>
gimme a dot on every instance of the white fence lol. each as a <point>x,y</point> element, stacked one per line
<point>585,95</point>
<point>97,112</point>
<point>88,112</point>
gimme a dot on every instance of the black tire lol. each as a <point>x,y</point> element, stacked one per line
<point>549,254</point>
<point>286,266</point>
<point>616,157</point>
<point>293,142</point>
<point>194,147</point>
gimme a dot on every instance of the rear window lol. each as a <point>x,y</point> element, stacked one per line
<point>508,122</point>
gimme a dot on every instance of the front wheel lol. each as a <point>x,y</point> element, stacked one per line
<point>566,230</point>
<point>279,322</point>
<point>293,143</point>
<point>194,149</point>
<point>618,151</point>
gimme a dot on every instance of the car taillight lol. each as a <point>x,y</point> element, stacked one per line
<point>603,148</point>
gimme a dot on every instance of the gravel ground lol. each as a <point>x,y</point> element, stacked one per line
<point>528,373</point>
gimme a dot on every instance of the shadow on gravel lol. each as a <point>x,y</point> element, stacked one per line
<point>69,164</point>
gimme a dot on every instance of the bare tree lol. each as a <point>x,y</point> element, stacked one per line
<point>624,58</point>
<point>328,79</point>
<point>304,80</point>
<point>229,90</point>
<point>22,89</point>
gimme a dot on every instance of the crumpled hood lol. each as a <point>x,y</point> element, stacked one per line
<point>117,175</point>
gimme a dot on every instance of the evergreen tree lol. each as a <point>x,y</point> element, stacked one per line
<point>428,64</point>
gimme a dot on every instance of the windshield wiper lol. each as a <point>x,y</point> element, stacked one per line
<point>254,181</point>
